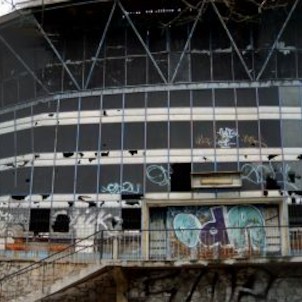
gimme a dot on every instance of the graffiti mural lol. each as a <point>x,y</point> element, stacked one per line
<point>240,228</point>
<point>239,219</point>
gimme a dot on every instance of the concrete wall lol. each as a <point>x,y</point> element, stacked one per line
<point>271,282</point>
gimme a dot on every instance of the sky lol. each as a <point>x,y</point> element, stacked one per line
<point>5,7</point>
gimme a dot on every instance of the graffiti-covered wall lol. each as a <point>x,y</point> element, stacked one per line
<point>196,230</point>
<point>107,103</point>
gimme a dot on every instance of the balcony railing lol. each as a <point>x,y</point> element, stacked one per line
<point>107,247</point>
<point>176,244</point>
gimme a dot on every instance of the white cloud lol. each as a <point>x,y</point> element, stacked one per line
<point>5,7</point>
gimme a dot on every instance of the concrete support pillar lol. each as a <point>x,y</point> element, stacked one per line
<point>145,232</point>
<point>121,285</point>
<point>285,240</point>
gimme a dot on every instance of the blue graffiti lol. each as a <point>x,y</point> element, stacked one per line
<point>187,229</point>
<point>241,226</point>
<point>125,187</point>
<point>246,227</point>
<point>158,175</point>
<point>214,231</point>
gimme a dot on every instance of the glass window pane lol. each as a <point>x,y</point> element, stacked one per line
<point>180,135</point>
<point>290,96</point>
<point>157,135</point>
<point>270,133</point>
<point>248,134</point>
<point>134,136</point>
<point>203,134</point>
<point>88,137</point>
<point>111,137</point>
<point>66,138</point>
<point>268,96</point>
<point>291,133</point>
<point>86,179</point>
<point>180,98</point>
<point>224,98</point>
<point>157,177</point>
<point>64,179</point>
<point>246,97</point>
<point>202,98</point>
<point>110,179</point>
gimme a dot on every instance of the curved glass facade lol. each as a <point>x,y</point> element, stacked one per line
<point>105,104</point>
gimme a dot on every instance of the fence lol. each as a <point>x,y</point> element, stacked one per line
<point>149,245</point>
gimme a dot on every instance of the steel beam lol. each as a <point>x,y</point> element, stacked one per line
<point>232,40</point>
<point>18,57</point>
<point>277,39</point>
<point>100,45</point>
<point>57,54</point>
<point>188,41</point>
<point>142,42</point>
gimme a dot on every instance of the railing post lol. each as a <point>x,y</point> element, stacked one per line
<point>284,232</point>
<point>115,245</point>
<point>100,244</point>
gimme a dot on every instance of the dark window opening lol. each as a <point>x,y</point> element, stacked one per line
<point>181,177</point>
<point>39,220</point>
<point>295,215</point>
<point>131,219</point>
<point>61,224</point>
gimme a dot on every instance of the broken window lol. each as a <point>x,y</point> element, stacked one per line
<point>131,219</point>
<point>61,224</point>
<point>295,215</point>
<point>39,220</point>
<point>181,177</point>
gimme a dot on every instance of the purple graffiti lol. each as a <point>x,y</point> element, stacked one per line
<point>214,231</point>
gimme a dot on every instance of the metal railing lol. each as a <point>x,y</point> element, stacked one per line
<point>106,246</point>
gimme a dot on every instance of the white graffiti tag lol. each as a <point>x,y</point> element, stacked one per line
<point>126,187</point>
<point>158,175</point>
<point>225,136</point>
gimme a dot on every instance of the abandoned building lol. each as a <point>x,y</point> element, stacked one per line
<point>151,150</point>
